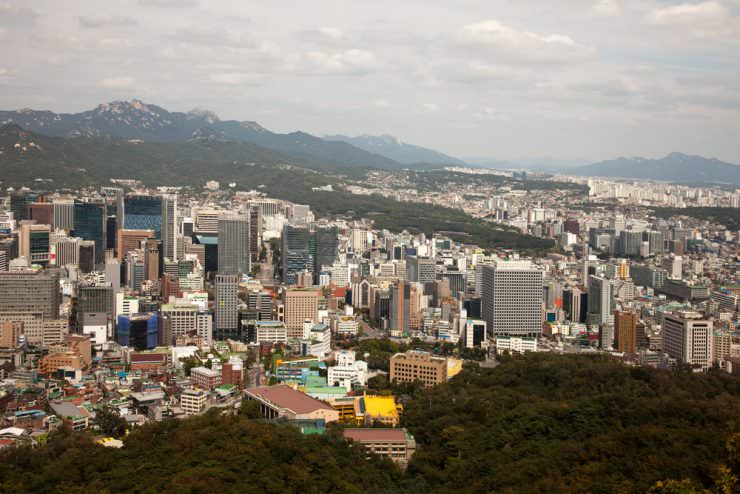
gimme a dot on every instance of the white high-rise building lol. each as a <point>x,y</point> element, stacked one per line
<point>687,336</point>
<point>512,298</point>
<point>169,227</point>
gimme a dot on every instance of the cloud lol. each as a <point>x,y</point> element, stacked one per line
<point>381,103</point>
<point>607,8</point>
<point>99,21</point>
<point>122,82</point>
<point>170,4</point>
<point>3,34</point>
<point>491,115</point>
<point>687,13</point>
<point>13,14</point>
<point>322,36</point>
<point>235,78</point>
<point>499,41</point>
<point>348,62</point>
<point>430,107</point>
<point>708,20</point>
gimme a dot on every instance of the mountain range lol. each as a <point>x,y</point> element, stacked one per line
<point>397,150</point>
<point>138,120</point>
<point>676,167</point>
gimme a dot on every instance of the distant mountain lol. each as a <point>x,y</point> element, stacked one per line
<point>536,164</point>
<point>676,167</point>
<point>392,148</point>
<point>137,120</point>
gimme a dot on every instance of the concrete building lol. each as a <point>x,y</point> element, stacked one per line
<point>415,366</point>
<point>205,378</point>
<point>193,402</point>
<point>396,444</point>
<point>687,337</point>
<point>227,314</point>
<point>301,305</point>
<point>282,401</point>
<point>625,331</point>
<point>30,291</point>
<point>233,245</point>
<point>512,298</point>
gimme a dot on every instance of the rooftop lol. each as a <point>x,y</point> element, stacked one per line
<point>284,396</point>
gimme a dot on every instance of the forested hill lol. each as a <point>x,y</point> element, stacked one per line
<point>541,423</point>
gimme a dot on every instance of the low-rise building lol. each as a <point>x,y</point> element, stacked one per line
<point>282,401</point>
<point>397,444</point>
<point>193,401</point>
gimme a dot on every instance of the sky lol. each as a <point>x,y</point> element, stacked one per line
<point>500,79</point>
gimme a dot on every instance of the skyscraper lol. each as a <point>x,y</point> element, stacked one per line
<point>227,315</point>
<point>600,301</point>
<point>64,213</point>
<point>295,253</point>
<point>233,245</point>
<point>30,292</point>
<point>421,269</point>
<point>325,243</point>
<point>143,212</point>
<point>625,331</point>
<point>90,224</point>
<point>169,227</point>
<point>400,307</point>
<point>512,298</point>
<point>34,243</point>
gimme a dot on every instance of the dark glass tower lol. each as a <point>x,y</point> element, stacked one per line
<point>90,224</point>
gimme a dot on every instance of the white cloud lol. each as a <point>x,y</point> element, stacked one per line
<point>99,21</point>
<point>491,115</point>
<point>709,20</point>
<point>115,44</point>
<point>430,107</point>
<point>234,78</point>
<point>381,103</point>
<point>353,61</point>
<point>13,14</point>
<point>607,8</point>
<point>500,41</point>
<point>123,82</point>
<point>688,13</point>
<point>3,33</point>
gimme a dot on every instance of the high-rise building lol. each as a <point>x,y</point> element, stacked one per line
<point>600,301</point>
<point>143,212</point>
<point>138,331</point>
<point>64,215</point>
<point>400,307</point>
<point>129,240</point>
<point>41,212</point>
<point>301,305</point>
<point>421,269</point>
<point>90,224</point>
<point>227,307</point>
<point>233,245</point>
<point>33,243</point>
<point>64,251</point>
<point>295,252</point>
<point>255,232</point>
<point>29,291</point>
<point>630,242</point>
<point>625,331</point>
<point>324,245</point>
<point>512,298</point>
<point>687,337</point>
<point>169,227</point>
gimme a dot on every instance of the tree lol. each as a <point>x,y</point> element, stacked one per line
<point>110,423</point>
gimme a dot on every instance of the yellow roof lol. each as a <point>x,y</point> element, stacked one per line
<point>454,366</point>
<point>376,406</point>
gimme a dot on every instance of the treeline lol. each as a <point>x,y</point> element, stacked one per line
<point>728,217</point>
<point>538,423</point>
<point>549,423</point>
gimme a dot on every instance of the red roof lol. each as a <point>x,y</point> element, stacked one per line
<point>148,357</point>
<point>283,396</point>
<point>374,435</point>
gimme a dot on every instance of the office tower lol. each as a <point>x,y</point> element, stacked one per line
<point>95,299</point>
<point>359,240</point>
<point>255,232</point>
<point>90,224</point>
<point>655,241</point>
<point>41,212</point>
<point>227,302</point>
<point>206,221</point>
<point>600,301</point>
<point>625,331</point>
<point>421,269</point>
<point>301,305</point>
<point>151,260</point>
<point>143,213</point>
<point>64,251</point>
<point>111,233</point>
<point>687,337</point>
<point>233,245</point>
<point>3,260</point>
<point>260,303</point>
<point>113,273</point>
<point>572,303</point>
<point>512,298</point>
<point>129,240</point>
<point>169,227</point>
<point>475,333</point>
<point>64,215</point>
<point>324,246</point>
<point>19,202</point>
<point>139,331</point>
<point>400,307</point>
<point>135,269</point>
<point>10,334</point>
<point>33,243</point>
<point>630,242</point>
<point>295,252</point>
<point>456,280</point>
<point>86,262</point>
<point>28,291</point>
